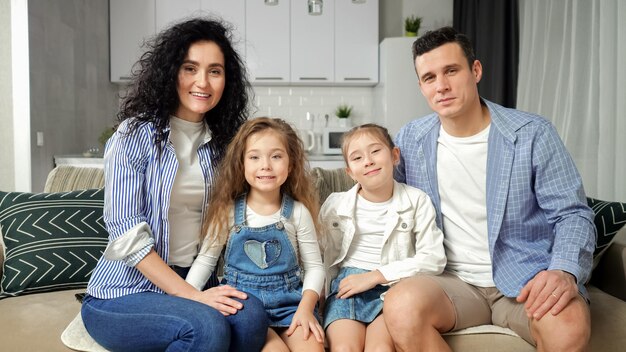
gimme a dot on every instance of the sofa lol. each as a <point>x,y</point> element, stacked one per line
<point>34,319</point>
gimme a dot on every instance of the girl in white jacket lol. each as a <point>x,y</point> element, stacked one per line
<point>377,233</point>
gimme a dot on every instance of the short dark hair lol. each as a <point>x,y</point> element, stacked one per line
<point>444,35</point>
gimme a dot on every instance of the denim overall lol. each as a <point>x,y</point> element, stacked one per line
<point>261,261</point>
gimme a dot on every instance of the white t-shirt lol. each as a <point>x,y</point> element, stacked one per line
<point>301,233</point>
<point>462,178</point>
<point>187,197</point>
<point>367,244</point>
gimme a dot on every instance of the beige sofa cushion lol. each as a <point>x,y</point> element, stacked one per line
<point>329,181</point>
<point>35,322</point>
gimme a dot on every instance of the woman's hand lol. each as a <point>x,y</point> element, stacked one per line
<point>221,298</point>
<point>357,283</point>
<point>309,324</point>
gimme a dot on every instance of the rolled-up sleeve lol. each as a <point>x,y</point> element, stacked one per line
<point>132,246</point>
<point>125,203</point>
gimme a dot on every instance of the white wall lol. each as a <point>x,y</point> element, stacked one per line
<point>434,13</point>
<point>390,15</point>
<point>7,177</point>
<point>14,96</point>
<point>292,103</point>
<point>72,100</point>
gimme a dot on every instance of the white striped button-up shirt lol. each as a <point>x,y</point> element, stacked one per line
<point>138,184</point>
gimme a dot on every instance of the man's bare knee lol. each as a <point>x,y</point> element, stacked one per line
<point>570,330</point>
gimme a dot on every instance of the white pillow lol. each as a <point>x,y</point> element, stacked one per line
<point>76,337</point>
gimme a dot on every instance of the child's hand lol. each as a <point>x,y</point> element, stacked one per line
<point>221,298</point>
<point>309,324</point>
<point>357,283</point>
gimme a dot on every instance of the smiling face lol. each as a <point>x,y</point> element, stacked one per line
<point>201,80</point>
<point>447,82</point>
<point>266,162</point>
<point>370,163</point>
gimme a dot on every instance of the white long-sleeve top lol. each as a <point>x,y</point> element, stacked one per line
<point>412,242</point>
<point>302,236</point>
<point>187,197</point>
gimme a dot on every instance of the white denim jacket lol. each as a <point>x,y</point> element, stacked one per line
<point>412,241</point>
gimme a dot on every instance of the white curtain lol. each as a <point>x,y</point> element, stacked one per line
<point>572,70</point>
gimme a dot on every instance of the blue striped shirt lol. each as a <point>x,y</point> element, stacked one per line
<point>137,190</point>
<point>537,214</point>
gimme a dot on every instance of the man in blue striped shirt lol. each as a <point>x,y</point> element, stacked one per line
<point>519,236</point>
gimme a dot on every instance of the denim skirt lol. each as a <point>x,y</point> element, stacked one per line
<point>363,307</point>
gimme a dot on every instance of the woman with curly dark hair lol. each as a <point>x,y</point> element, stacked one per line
<point>188,97</point>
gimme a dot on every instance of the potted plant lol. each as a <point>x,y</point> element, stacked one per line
<point>343,112</point>
<point>412,25</point>
<point>105,135</point>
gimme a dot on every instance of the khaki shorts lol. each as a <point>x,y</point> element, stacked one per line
<point>475,305</point>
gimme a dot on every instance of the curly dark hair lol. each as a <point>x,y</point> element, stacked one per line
<point>152,95</point>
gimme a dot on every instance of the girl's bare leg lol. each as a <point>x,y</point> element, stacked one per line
<point>346,335</point>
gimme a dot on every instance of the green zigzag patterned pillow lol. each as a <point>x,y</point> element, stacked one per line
<point>609,218</point>
<point>51,241</point>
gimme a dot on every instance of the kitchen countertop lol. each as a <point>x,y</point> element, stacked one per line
<point>323,157</point>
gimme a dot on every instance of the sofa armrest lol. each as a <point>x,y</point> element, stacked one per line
<point>610,274</point>
<point>65,178</point>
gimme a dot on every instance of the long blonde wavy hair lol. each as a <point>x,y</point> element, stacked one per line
<point>231,182</point>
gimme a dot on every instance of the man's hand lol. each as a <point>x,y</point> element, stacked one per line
<point>549,290</point>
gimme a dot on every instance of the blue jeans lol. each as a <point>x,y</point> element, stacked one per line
<point>151,321</point>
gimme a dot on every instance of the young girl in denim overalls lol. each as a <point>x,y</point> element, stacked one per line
<point>264,209</point>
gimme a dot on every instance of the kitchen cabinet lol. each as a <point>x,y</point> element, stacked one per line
<point>131,22</point>
<point>312,44</point>
<point>281,44</point>
<point>356,42</point>
<point>171,11</point>
<point>233,12</point>
<point>267,42</point>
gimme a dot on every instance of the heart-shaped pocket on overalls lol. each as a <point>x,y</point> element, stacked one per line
<point>263,254</point>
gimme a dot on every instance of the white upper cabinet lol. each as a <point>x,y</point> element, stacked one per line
<point>280,43</point>
<point>312,44</point>
<point>171,11</point>
<point>267,41</point>
<point>356,42</point>
<point>233,12</point>
<point>131,23</point>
